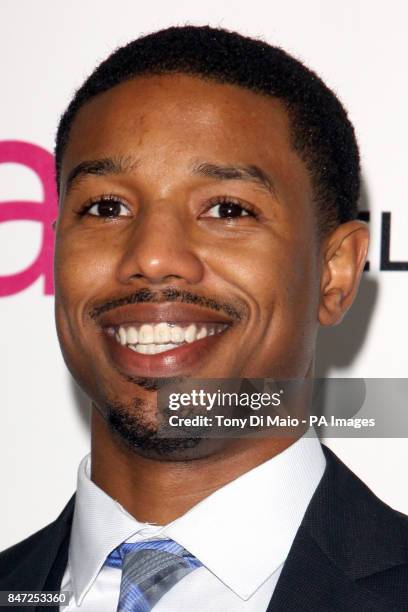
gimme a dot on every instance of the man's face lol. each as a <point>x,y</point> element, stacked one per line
<point>193,240</point>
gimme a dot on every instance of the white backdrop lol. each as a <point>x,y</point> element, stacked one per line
<point>47,48</point>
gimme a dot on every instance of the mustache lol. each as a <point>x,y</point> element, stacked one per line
<point>171,294</point>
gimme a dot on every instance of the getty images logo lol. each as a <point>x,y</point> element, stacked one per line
<point>42,163</point>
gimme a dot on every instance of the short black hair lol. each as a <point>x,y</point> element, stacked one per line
<point>322,135</point>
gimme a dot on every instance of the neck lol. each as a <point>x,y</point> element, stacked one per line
<point>140,484</point>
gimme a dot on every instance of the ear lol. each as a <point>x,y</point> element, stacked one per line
<point>344,254</point>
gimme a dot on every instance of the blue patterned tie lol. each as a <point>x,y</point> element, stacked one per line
<point>149,570</point>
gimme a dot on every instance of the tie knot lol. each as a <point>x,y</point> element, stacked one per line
<point>126,549</point>
<point>149,570</point>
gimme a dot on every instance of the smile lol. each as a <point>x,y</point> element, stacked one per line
<point>154,338</point>
<point>163,339</point>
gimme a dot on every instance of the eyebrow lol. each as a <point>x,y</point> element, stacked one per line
<point>100,167</point>
<point>238,172</point>
<point>119,165</point>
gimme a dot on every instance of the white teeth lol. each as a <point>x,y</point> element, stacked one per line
<point>132,335</point>
<point>202,333</point>
<point>190,333</point>
<point>122,335</point>
<point>150,339</point>
<point>146,334</point>
<point>176,334</point>
<point>166,347</point>
<point>162,333</point>
<point>152,349</point>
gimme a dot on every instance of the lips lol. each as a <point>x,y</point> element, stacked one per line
<point>161,340</point>
<point>174,312</point>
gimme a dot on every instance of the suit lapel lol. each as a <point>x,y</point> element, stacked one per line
<point>310,581</point>
<point>334,548</point>
<point>42,566</point>
<point>58,565</point>
<point>57,558</point>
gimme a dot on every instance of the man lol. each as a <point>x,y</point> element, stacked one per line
<point>208,199</point>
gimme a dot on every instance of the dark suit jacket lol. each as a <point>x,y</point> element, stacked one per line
<point>350,553</point>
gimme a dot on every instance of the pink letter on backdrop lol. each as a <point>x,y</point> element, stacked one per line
<point>42,163</point>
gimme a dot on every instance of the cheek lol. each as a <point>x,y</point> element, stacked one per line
<point>278,278</point>
<point>272,271</point>
<point>83,275</point>
<point>83,267</point>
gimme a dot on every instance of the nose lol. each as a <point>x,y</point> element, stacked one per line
<point>159,250</point>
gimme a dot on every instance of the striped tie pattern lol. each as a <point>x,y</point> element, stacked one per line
<point>149,570</point>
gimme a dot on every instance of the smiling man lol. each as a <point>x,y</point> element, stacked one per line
<point>208,200</point>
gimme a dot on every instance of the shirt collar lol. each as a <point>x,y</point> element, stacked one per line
<point>243,531</point>
<point>99,525</point>
<point>255,517</point>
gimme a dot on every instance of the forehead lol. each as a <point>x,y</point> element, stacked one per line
<point>169,118</point>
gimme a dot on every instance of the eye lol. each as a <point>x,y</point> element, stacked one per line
<point>108,207</point>
<point>225,208</point>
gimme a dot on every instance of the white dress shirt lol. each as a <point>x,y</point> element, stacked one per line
<point>241,533</point>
